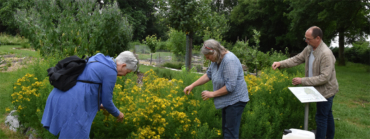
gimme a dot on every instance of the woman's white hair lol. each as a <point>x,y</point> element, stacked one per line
<point>213,47</point>
<point>129,59</point>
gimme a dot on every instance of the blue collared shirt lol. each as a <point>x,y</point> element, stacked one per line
<point>230,74</point>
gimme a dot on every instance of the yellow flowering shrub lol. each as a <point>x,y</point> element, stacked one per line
<point>272,107</point>
<point>158,108</point>
<point>29,99</point>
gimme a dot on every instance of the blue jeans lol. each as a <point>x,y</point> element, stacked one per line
<point>231,118</point>
<point>324,119</point>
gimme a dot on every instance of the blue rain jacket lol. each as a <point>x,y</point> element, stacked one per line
<point>71,113</point>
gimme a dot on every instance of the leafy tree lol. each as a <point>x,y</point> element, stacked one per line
<point>188,16</point>
<point>142,16</point>
<point>348,19</point>
<point>214,27</point>
<point>265,16</point>
<point>151,41</point>
<point>177,42</point>
<point>249,55</point>
<point>7,10</point>
<point>223,6</point>
<point>291,18</point>
<point>137,12</point>
<point>71,27</point>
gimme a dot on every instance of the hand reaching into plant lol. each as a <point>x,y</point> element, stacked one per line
<point>188,89</point>
<point>120,117</point>
<point>275,65</point>
<point>101,107</point>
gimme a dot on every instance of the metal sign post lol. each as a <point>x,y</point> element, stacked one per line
<point>306,109</point>
<point>307,95</point>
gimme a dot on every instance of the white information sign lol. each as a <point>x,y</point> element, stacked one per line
<point>307,94</point>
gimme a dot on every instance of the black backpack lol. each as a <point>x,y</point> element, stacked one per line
<point>64,75</point>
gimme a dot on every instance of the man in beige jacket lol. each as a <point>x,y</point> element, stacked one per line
<point>320,73</point>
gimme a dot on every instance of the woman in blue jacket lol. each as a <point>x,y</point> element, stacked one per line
<point>71,113</point>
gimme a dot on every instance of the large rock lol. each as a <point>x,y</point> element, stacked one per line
<point>12,121</point>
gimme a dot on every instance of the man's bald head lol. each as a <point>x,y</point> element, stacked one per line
<point>315,31</point>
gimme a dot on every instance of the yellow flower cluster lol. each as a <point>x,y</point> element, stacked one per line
<point>265,82</point>
<point>7,109</point>
<point>155,104</point>
<point>148,132</point>
<point>25,89</point>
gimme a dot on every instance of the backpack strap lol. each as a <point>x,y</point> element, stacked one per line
<point>99,90</point>
<point>100,84</point>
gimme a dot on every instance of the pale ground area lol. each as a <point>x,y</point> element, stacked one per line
<point>13,63</point>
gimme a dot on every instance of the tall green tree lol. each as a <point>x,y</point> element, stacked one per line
<point>224,6</point>
<point>265,16</point>
<point>142,17</point>
<point>8,8</point>
<point>138,13</point>
<point>189,16</point>
<point>348,19</point>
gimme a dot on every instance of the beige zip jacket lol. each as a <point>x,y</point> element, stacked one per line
<point>323,69</point>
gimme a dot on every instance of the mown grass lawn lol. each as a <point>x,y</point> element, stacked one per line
<point>6,84</point>
<point>18,51</point>
<point>351,107</point>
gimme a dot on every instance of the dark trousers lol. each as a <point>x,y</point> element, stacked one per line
<point>231,118</point>
<point>324,119</point>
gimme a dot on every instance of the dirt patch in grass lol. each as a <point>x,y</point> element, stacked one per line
<point>10,62</point>
<point>28,49</point>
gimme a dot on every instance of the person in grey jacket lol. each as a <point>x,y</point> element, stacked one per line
<point>230,91</point>
<point>320,73</point>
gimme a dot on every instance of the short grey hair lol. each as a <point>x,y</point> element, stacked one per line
<point>129,59</point>
<point>316,31</point>
<point>213,47</point>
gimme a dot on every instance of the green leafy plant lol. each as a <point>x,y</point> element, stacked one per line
<point>248,54</point>
<point>190,16</point>
<point>175,65</point>
<point>152,42</point>
<point>177,43</point>
<point>56,27</point>
<point>9,64</point>
<point>6,39</point>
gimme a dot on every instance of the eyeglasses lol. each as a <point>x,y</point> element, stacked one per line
<point>307,39</point>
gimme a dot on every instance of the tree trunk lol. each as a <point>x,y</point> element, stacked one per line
<point>151,58</point>
<point>189,39</point>
<point>342,61</point>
